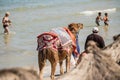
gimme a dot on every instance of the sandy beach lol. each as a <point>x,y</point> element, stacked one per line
<point>96,64</point>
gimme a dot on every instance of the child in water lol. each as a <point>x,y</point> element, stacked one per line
<point>106,19</point>
<point>98,18</point>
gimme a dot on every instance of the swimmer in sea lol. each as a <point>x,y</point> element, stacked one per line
<point>98,18</point>
<point>6,22</point>
<point>105,19</point>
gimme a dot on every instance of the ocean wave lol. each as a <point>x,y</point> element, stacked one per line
<point>96,11</point>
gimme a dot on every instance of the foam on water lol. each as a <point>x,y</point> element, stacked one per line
<point>96,11</point>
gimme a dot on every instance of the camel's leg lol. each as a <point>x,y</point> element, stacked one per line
<point>79,59</point>
<point>61,68</point>
<point>41,62</point>
<point>67,63</point>
<point>53,68</point>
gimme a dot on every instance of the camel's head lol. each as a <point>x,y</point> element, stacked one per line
<point>116,37</point>
<point>75,27</point>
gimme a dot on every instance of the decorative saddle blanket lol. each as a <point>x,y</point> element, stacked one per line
<point>56,38</point>
<point>47,40</point>
<point>63,36</point>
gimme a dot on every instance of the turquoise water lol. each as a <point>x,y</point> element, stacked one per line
<point>32,17</point>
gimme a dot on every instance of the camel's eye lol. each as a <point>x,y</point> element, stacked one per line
<point>71,28</point>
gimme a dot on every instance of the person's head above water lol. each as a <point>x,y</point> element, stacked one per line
<point>106,14</point>
<point>7,13</point>
<point>99,13</point>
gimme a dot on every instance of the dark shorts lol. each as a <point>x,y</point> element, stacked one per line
<point>105,23</point>
<point>4,26</point>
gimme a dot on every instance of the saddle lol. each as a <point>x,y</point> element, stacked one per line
<point>56,39</point>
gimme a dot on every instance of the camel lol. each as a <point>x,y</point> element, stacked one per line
<point>57,53</point>
<point>97,64</point>
<point>18,74</point>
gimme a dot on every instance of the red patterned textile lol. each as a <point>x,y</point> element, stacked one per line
<point>47,40</point>
<point>57,39</point>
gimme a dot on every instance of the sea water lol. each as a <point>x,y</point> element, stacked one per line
<point>33,17</point>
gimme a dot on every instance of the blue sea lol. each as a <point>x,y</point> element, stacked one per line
<point>32,17</point>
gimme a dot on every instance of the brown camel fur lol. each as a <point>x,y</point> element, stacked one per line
<point>18,74</point>
<point>96,64</point>
<point>57,56</point>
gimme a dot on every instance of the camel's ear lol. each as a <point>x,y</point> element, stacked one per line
<point>71,26</point>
